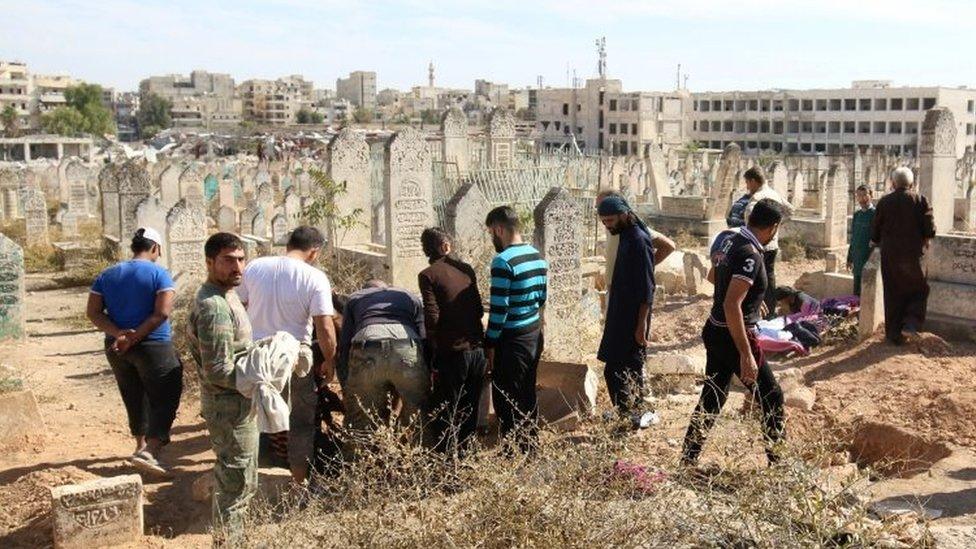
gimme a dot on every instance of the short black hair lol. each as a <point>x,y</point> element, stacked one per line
<point>140,243</point>
<point>221,241</point>
<point>504,216</point>
<point>765,213</point>
<point>305,238</point>
<point>864,188</point>
<point>755,174</point>
<point>431,240</point>
<point>784,292</point>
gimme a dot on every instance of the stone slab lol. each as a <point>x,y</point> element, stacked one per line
<point>98,513</point>
<point>952,258</point>
<point>19,415</point>
<point>572,386</point>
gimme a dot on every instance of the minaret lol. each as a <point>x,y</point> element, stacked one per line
<point>430,75</point>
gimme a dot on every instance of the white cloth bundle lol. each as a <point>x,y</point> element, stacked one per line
<point>262,375</point>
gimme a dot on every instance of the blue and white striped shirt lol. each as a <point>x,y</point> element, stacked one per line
<point>518,291</point>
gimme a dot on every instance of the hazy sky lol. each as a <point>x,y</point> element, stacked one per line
<point>722,45</point>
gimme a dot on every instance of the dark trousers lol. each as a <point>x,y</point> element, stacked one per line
<point>625,380</point>
<point>906,294</point>
<point>513,384</point>
<point>458,379</point>
<point>769,260</point>
<point>150,380</point>
<point>722,363</point>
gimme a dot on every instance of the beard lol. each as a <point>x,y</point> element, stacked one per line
<point>615,230</point>
<point>497,243</point>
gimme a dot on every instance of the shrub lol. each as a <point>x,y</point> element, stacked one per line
<point>792,249</point>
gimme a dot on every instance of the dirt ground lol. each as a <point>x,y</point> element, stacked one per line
<point>928,390</point>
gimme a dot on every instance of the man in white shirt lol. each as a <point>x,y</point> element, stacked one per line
<point>287,293</point>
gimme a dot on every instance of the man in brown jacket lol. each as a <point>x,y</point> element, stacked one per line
<point>452,315</point>
<point>902,227</point>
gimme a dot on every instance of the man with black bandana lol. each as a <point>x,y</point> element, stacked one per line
<point>628,319</point>
<point>730,333</point>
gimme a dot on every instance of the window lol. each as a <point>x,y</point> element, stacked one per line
<point>911,128</point>
<point>879,127</point>
<point>911,104</point>
<point>778,105</point>
<point>557,124</point>
<point>565,108</point>
<point>833,127</point>
<point>863,127</point>
<point>716,126</point>
<point>613,105</point>
<point>881,104</point>
<point>820,127</point>
<point>850,127</point>
<point>806,147</point>
<point>727,126</point>
<point>792,148</point>
<point>730,105</point>
<point>753,126</point>
<point>694,125</point>
<point>850,104</point>
<point>835,104</point>
<point>633,148</point>
<point>794,104</point>
<point>806,127</point>
<point>764,126</point>
<point>716,105</point>
<point>601,104</point>
<point>864,105</point>
<point>821,104</point>
<point>740,105</point>
<point>894,127</point>
<point>599,122</point>
<point>579,107</point>
<point>778,127</point>
<point>897,104</point>
<point>633,129</point>
<point>753,105</point>
<point>764,105</point>
<point>969,129</point>
<point>545,124</point>
<point>623,129</point>
<point>928,103</point>
<point>579,130</point>
<point>613,127</point>
<point>808,104</point>
<point>566,130</point>
<point>971,106</point>
<point>793,127</point>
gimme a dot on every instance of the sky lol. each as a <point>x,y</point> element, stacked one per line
<point>720,44</point>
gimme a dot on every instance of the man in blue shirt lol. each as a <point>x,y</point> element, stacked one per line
<point>514,337</point>
<point>131,302</point>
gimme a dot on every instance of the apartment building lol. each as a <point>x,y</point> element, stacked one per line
<point>31,95</point>
<point>872,115</point>
<point>359,89</point>
<point>278,101</point>
<point>201,100</point>
<point>602,117</point>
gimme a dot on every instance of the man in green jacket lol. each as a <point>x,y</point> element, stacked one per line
<point>860,244</point>
<point>220,333</point>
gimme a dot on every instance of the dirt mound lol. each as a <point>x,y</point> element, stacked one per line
<point>893,450</point>
<point>27,504</point>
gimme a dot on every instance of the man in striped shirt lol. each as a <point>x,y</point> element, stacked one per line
<point>514,337</point>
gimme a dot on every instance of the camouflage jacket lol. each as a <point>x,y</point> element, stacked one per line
<point>219,333</point>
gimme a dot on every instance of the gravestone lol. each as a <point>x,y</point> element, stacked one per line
<point>225,194</point>
<point>193,177</point>
<point>97,513</point>
<point>19,415</point>
<point>265,195</point>
<point>465,222</point>
<point>871,314</point>
<point>349,167</point>
<point>108,187</point>
<point>725,183</point>
<point>258,225</point>
<point>134,186</point>
<point>937,165</point>
<point>227,220</point>
<point>779,178</point>
<point>799,190</point>
<point>454,145</point>
<point>408,193</point>
<point>658,186</point>
<point>9,203</point>
<point>169,185</point>
<point>186,232</point>
<point>559,238</point>
<point>501,139</point>
<point>12,315</point>
<point>835,207</point>
<point>76,178</point>
<point>151,213</point>
<point>279,230</point>
<point>293,208</point>
<point>35,215</point>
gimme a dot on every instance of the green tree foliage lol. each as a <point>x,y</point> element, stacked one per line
<point>83,113</point>
<point>155,113</point>
<point>303,116</point>
<point>324,208</point>
<point>9,120</point>
<point>362,115</point>
<point>429,116</point>
<point>316,118</point>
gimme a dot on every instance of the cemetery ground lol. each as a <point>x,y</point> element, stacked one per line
<point>873,429</point>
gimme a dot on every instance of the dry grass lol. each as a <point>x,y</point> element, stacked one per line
<point>686,241</point>
<point>565,495</point>
<point>792,249</point>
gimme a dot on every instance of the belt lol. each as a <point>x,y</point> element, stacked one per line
<point>382,343</point>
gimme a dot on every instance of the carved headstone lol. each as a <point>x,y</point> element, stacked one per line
<point>779,178</point>
<point>658,186</point>
<point>799,190</point>
<point>726,181</point>
<point>465,222</point>
<point>293,208</point>
<point>279,230</point>
<point>186,232</point>
<point>835,207</point>
<point>871,314</point>
<point>501,138</point>
<point>98,513</point>
<point>559,238</point>
<point>134,185</point>
<point>151,213</point>
<point>349,167</point>
<point>35,215</point>
<point>227,220</point>
<point>169,185</point>
<point>108,186</point>
<point>454,126</point>
<point>258,225</point>
<point>408,193</point>
<point>11,290</point>
<point>937,165</point>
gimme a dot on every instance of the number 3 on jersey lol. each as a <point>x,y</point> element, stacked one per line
<point>749,265</point>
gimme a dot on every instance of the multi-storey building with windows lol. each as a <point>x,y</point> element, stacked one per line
<point>871,115</point>
<point>31,95</point>
<point>276,101</point>
<point>359,89</point>
<point>202,100</point>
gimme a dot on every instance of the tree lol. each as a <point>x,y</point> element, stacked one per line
<point>324,208</point>
<point>83,113</point>
<point>303,116</point>
<point>316,118</point>
<point>429,116</point>
<point>155,113</point>
<point>362,115</point>
<point>10,121</point>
